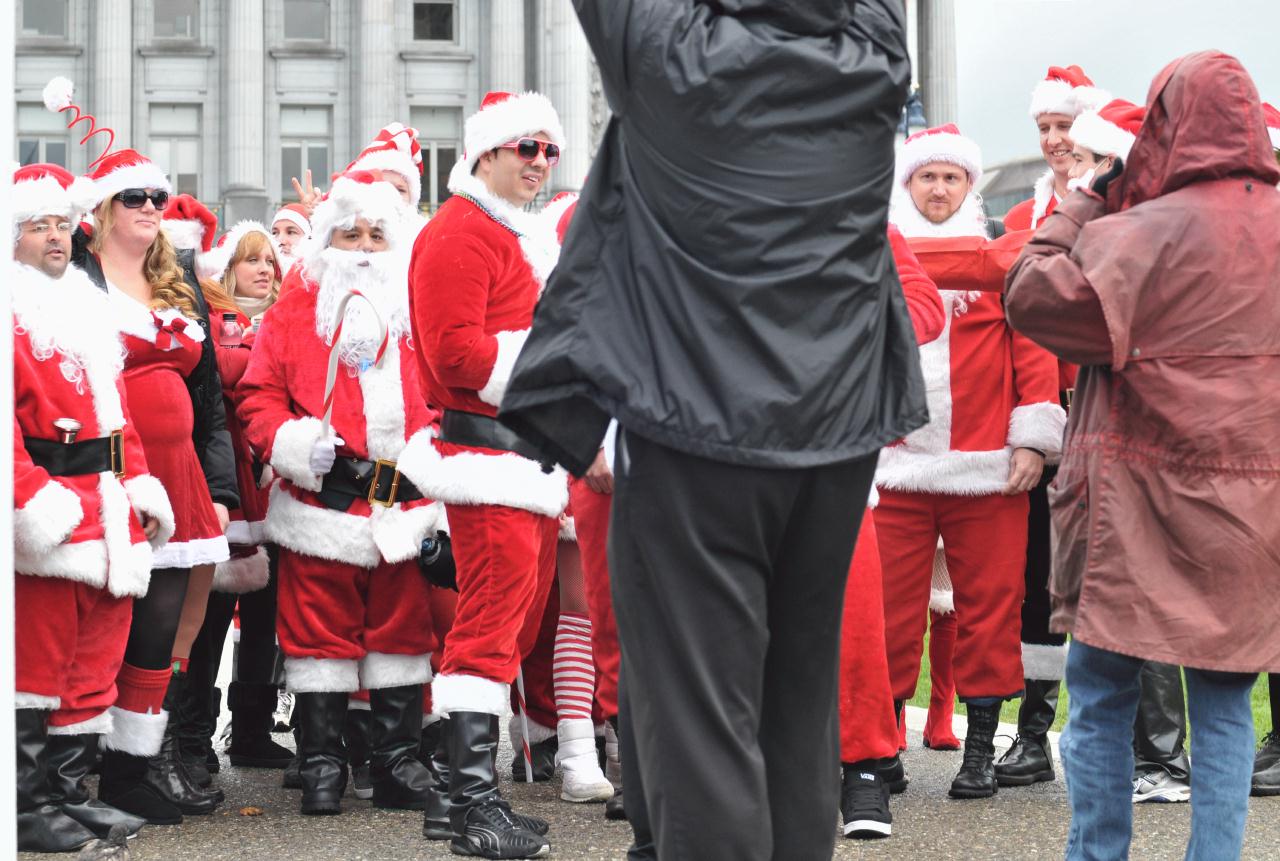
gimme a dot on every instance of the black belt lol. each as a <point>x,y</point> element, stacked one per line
<point>473,429</point>
<point>377,481</point>
<point>88,457</point>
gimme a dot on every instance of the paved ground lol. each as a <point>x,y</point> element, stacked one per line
<point>1017,824</point>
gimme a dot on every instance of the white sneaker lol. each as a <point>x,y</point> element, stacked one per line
<point>582,779</point>
<point>1160,787</point>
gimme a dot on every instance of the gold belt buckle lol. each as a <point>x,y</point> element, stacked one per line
<point>117,454</point>
<point>377,477</point>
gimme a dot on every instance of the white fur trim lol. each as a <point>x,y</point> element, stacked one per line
<point>100,724</point>
<point>1038,426</point>
<point>1046,663</point>
<point>522,114</point>
<point>188,554</point>
<point>474,478</point>
<point>135,733</point>
<point>247,532</point>
<point>321,675</point>
<point>243,574</point>
<point>124,558</point>
<point>396,161</point>
<point>873,499</point>
<point>47,520</point>
<point>537,235</point>
<point>184,233</point>
<point>383,395</point>
<point>291,451</point>
<point>537,732</point>
<point>419,457</point>
<point>57,93</point>
<point>1094,133</point>
<point>459,693</point>
<point>38,702</point>
<point>1044,194</point>
<point>358,705</point>
<point>147,496</point>
<point>942,601</point>
<point>968,220</point>
<point>956,473</point>
<point>1053,97</point>
<point>555,210</point>
<point>1091,98</point>
<point>36,198</point>
<point>146,175</point>
<point>294,218</point>
<point>569,530</point>
<point>509,346</point>
<point>1274,134</point>
<point>398,531</point>
<point>134,318</point>
<point>213,263</point>
<point>86,562</point>
<point>381,670</point>
<point>939,147</point>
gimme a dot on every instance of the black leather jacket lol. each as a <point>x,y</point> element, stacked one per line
<point>209,432</point>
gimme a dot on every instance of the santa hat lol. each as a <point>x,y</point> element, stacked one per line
<point>502,118</point>
<point>395,148</point>
<point>559,212</point>
<point>356,194</point>
<point>942,144</point>
<point>294,213</point>
<point>214,264</point>
<point>1272,116</point>
<point>127,169</point>
<point>1111,130</point>
<point>47,189</point>
<point>1066,91</point>
<point>189,224</point>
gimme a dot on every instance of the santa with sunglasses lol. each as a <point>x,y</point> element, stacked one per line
<point>477,271</point>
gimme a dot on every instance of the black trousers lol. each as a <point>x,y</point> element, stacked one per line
<point>1160,729</point>
<point>728,584</point>
<point>1036,606</point>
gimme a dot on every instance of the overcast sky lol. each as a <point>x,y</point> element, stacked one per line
<point>1005,46</point>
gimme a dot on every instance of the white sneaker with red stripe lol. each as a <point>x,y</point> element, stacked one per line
<point>582,779</point>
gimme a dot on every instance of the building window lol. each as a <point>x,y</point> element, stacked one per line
<point>434,20</point>
<point>43,18</point>
<point>175,145</point>
<point>305,139</point>
<point>306,19</point>
<point>42,137</point>
<point>177,19</point>
<point>440,134</point>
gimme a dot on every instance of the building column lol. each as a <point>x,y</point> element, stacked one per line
<point>938,85</point>
<point>377,86</point>
<point>112,102</point>
<point>506,46</point>
<point>566,80</point>
<point>245,88</point>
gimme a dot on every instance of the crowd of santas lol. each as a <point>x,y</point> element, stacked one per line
<point>206,431</point>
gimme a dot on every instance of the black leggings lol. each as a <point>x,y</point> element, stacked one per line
<point>155,620</point>
<point>1273,688</point>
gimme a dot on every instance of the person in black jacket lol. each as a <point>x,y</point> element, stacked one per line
<point>164,322</point>
<point>727,292</point>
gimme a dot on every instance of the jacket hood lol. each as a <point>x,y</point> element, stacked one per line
<point>1204,122</point>
<point>802,17</point>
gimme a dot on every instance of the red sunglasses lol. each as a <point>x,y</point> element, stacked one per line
<point>528,149</point>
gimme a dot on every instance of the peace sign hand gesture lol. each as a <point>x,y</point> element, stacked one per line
<point>308,197</point>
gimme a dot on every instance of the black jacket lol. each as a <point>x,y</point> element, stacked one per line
<point>209,433</point>
<point>727,288</point>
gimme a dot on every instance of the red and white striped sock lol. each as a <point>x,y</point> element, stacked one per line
<point>573,671</point>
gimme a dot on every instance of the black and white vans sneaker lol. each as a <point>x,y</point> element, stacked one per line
<point>864,802</point>
<point>492,832</point>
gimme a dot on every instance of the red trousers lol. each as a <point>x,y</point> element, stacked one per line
<point>868,729</point>
<point>591,512</point>
<point>70,640</point>
<point>506,561</point>
<point>337,615</point>
<point>985,539</point>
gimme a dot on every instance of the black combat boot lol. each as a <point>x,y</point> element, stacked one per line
<point>977,777</point>
<point>1030,759</point>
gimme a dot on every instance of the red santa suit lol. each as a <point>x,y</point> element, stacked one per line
<point>79,550</point>
<point>478,269</point>
<point>352,603</point>
<point>989,392</point>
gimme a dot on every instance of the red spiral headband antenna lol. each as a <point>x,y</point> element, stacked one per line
<point>57,98</point>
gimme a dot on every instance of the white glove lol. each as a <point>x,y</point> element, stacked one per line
<point>323,454</point>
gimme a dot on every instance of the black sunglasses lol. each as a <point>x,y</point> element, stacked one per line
<point>136,198</point>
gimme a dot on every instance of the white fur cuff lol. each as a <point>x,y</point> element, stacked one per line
<point>380,670</point>
<point>509,346</point>
<point>321,675</point>
<point>242,575</point>
<point>100,724</point>
<point>942,601</point>
<point>291,451</point>
<point>47,520</point>
<point>537,732</point>
<point>1046,663</point>
<point>460,693</point>
<point>1039,426</point>
<point>22,700</point>
<point>147,496</point>
<point>135,733</point>
<point>418,458</point>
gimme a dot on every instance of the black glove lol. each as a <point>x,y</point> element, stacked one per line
<point>1102,183</point>
<point>435,560</point>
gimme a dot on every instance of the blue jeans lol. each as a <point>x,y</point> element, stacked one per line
<point>1097,755</point>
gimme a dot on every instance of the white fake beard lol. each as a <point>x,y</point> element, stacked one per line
<point>968,220</point>
<point>1083,183</point>
<point>383,278</point>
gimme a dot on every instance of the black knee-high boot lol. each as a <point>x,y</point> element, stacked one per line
<point>69,759</point>
<point>42,826</point>
<point>322,757</point>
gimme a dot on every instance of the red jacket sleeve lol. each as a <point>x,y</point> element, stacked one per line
<point>970,262</point>
<point>451,284</point>
<point>923,302</point>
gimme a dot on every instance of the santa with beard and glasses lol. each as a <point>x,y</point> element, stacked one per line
<point>964,477</point>
<point>347,511</point>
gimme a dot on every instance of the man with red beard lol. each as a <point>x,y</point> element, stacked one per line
<point>477,272</point>
<point>994,419</point>
<point>348,511</point>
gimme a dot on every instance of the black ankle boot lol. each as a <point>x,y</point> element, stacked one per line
<point>69,759</point>
<point>894,774</point>
<point>399,780</point>
<point>322,763</point>
<point>977,777</point>
<point>41,825</point>
<point>193,720</point>
<point>614,808</point>
<point>1030,760</point>
<point>482,821</point>
<point>125,786</point>
<point>252,708</point>
<point>166,770</point>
